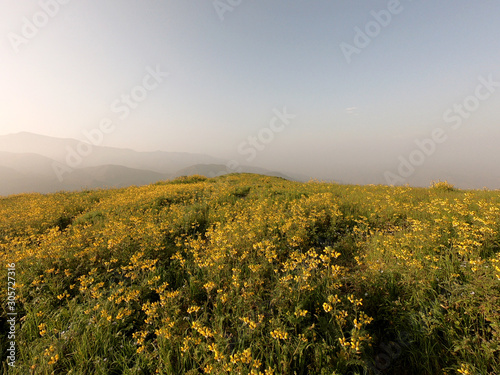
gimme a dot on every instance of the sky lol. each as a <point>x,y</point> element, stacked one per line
<point>343,90</point>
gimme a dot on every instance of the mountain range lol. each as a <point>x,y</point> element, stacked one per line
<point>37,163</point>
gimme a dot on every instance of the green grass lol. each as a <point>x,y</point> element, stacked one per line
<point>253,274</point>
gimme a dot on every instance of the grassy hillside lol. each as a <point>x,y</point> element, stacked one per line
<point>248,274</point>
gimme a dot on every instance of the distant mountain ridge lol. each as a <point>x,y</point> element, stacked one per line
<point>28,163</point>
<point>60,149</point>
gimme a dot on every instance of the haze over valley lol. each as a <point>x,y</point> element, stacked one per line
<point>36,163</point>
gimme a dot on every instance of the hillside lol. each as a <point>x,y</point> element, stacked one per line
<point>214,170</point>
<point>253,274</point>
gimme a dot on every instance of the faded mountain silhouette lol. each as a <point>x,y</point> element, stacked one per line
<point>27,165</point>
<point>57,149</point>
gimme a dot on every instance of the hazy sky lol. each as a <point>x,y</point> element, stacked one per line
<point>364,79</point>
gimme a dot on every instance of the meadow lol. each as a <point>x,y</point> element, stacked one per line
<point>249,274</point>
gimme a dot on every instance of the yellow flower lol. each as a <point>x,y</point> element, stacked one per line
<point>354,301</point>
<point>334,299</point>
<point>193,309</point>
<point>279,334</point>
<point>209,286</point>
<point>61,296</point>
<point>54,359</point>
<point>464,369</point>
<point>300,312</point>
<point>257,363</point>
<point>49,350</point>
<point>327,307</point>
<point>42,328</point>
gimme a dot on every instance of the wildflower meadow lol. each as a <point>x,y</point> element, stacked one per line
<point>250,274</point>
